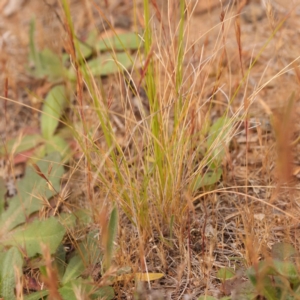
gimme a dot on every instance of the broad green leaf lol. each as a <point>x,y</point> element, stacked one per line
<point>288,270</point>
<point>85,49</point>
<point>76,218</point>
<point>105,292</point>
<point>92,36</point>
<point>260,278</point>
<point>225,274</point>
<point>21,144</point>
<point>91,245</point>
<point>269,290</point>
<point>218,139</point>
<point>84,289</point>
<point>105,64</point>
<point>53,108</point>
<point>67,132</point>
<point>60,261</point>
<point>74,269</point>
<point>285,269</point>
<point>46,63</point>
<point>90,248</point>
<point>112,232</point>
<point>51,65</point>
<point>68,220</point>
<point>48,232</point>
<point>37,295</point>
<point>30,190</point>
<point>207,179</point>
<point>124,41</point>
<point>11,266</point>
<point>262,270</point>
<point>67,291</point>
<point>283,287</point>
<point>59,144</point>
<point>83,216</point>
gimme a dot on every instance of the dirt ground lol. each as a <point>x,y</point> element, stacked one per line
<point>219,221</point>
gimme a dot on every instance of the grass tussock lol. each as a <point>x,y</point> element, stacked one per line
<point>152,178</point>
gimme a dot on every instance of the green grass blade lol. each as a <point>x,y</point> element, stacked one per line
<point>53,108</point>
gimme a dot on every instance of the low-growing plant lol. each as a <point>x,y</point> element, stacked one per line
<point>276,277</point>
<point>22,242</point>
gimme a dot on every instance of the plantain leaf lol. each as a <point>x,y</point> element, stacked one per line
<point>218,139</point>
<point>71,289</point>
<point>105,64</point>
<point>59,144</point>
<point>225,274</point>
<point>207,179</point>
<point>11,265</point>
<point>68,290</point>
<point>60,260</point>
<point>22,144</point>
<point>123,41</point>
<point>48,232</point>
<point>74,269</point>
<point>45,63</point>
<point>77,218</point>
<point>288,270</point>
<point>90,246</point>
<point>53,108</point>
<point>85,49</point>
<point>261,280</point>
<point>112,232</point>
<point>51,66</point>
<point>104,292</point>
<point>30,190</point>
<point>37,295</point>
